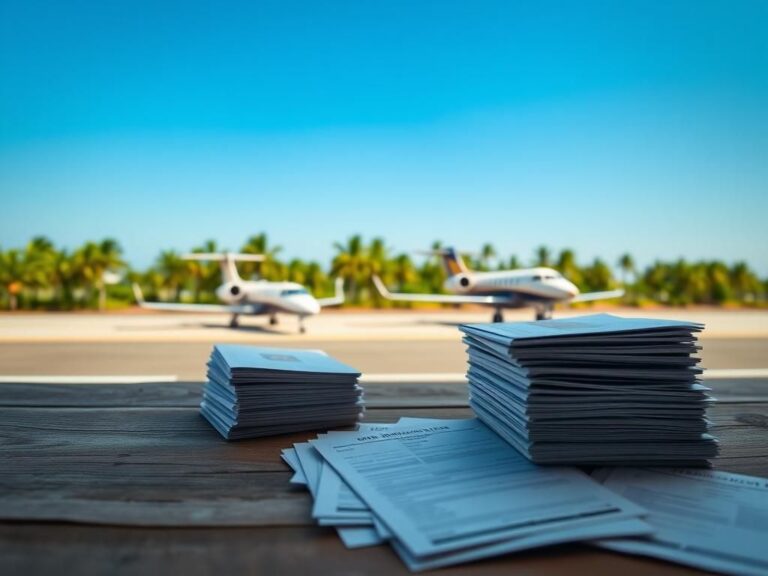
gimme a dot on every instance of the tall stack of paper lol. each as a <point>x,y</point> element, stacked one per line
<point>596,389</point>
<point>254,391</point>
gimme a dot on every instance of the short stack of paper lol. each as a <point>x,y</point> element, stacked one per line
<point>443,492</point>
<point>592,390</point>
<point>255,391</point>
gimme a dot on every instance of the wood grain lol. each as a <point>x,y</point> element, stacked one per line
<point>379,395</point>
<point>50,549</point>
<point>168,467</point>
<point>170,495</point>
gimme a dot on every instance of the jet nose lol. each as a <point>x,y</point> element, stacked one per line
<point>570,288</point>
<point>305,304</point>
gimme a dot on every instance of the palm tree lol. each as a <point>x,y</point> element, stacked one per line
<point>627,266</point>
<point>154,280</point>
<point>719,282</point>
<point>513,263</point>
<point>174,270</point>
<point>487,253</point>
<point>567,266</point>
<point>270,268</point>
<point>13,275</point>
<point>431,272</point>
<point>351,263</point>
<point>39,259</point>
<point>598,276</point>
<point>315,279</point>
<point>403,271</point>
<point>63,273</point>
<point>297,271</point>
<point>745,283</point>
<point>543,256</point>
<point>378,264</point>
<point>205,274</point>
<point>93,260</point>
<point>656,281</point>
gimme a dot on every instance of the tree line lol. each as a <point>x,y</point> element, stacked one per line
<point>41,276</point>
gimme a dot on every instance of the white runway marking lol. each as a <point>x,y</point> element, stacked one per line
<point>737,373</point>
<point>87,379</point>
<point>414,377</point>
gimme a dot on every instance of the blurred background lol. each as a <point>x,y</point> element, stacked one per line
<point>623,144</point>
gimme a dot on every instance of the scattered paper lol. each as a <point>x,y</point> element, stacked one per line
<point>704,518</point>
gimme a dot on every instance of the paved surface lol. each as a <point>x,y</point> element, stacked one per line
<point>187,360</point>
<point>328,326</point>
<point>374,342</point>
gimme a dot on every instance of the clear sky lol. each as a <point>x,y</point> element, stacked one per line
<point>602,126</point>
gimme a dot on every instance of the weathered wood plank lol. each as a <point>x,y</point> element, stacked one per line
<point>168,394</point>
<point>147,466</point>
<point>167,467</point>
<point>46,549</point>
<point>187,394</point>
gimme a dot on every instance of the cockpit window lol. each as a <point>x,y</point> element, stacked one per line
<point>293,292</point>
<point>537,278</point>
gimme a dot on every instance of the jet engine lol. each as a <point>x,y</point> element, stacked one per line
<point>459,283</point>
<point>230,292</point>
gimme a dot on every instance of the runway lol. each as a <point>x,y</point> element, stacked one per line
<point>378,343</point>
<point>186,361</point>
<point>329,326</point>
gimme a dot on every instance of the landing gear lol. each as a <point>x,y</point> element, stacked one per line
<point>498,316</point>
<point>234,322</point>
<point>302,328</point>
<point>544,313</point>
<point>273,320</point>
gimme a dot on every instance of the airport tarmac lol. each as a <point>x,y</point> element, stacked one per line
<point>378,343</point>
<point>329,326</point>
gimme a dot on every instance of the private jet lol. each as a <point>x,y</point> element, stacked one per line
<point>250,297</point>
<point>540,288</point>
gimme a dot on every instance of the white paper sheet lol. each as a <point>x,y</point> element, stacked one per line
<point>705,518</point>
<point>456,485</point>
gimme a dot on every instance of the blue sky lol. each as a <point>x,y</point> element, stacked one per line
<point>602,126</point>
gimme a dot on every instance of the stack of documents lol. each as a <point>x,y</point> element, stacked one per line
<point>592,390</point>
<point>443,492</point>
<point>254,391</point>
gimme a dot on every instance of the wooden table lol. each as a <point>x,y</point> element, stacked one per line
<point>130,479</point>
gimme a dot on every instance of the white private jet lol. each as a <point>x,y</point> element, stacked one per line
<point>251,297</point>
<point>539,288</point>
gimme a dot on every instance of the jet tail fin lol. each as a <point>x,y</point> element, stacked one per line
<point>226,261</point>
<point>452,261</point>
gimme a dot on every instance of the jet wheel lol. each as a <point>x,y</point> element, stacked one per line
<point>543,314</point>
<point>497,316</point>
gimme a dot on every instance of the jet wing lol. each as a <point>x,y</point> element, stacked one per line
<point>589,296</point>
<point>336,300</point>
<point>175,307</point>
<point>438,298</point>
